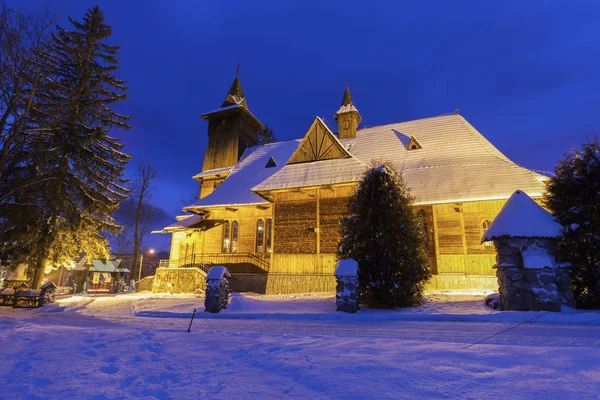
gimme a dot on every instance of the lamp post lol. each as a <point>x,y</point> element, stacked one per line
<point>151,251</point>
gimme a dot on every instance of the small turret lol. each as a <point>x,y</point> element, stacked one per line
<point>347,117</point>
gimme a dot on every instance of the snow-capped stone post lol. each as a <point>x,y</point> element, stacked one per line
<point>346,296</point>
<point>529,274</point>
<point>217,289</point>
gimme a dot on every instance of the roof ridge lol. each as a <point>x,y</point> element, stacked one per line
<point>411,120</point>
<point>474,132</point>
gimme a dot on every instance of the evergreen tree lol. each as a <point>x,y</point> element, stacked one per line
<point>83,163</point>
<point>574,198</point>
<point>266,136</point>
<point>383,235</point>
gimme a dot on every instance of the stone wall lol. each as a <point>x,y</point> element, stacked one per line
<point>533,289</point>
<point>178,280</point>
<point>256,283</point>
<point>144,284</point>
<point>537,283</point>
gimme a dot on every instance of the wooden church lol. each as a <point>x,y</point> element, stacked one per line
<point>270,213</point>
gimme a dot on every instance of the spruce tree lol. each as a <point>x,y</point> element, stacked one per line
<point>266,136</point>
<point>574,198</point>
<point>382,233</point>
<point>84,164</point>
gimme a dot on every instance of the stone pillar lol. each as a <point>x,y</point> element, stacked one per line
<point>529,278</point>
<point>217,289</point>
<point>346,296</point>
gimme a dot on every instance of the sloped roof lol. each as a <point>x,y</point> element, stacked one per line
<point>521,216</point>
<point>456,163</point>
<point>182,223</point>
<point>250,171</point>
<point>213,172</point>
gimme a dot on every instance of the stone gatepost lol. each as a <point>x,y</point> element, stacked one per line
<point>217,289</point>
<point>346,297</point>
<point>530,276</point>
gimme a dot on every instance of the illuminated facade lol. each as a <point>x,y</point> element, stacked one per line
<point>271,213</point>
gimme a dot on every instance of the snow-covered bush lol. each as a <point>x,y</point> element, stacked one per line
<point>574,198</point>
<point>382,233</point>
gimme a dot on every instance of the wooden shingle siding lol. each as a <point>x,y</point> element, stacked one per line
<point>295,224</point>
<point>331,212</point>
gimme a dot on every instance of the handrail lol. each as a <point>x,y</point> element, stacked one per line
<point>206,260</point>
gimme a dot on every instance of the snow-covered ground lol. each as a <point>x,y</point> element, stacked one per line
<point>137,346</point>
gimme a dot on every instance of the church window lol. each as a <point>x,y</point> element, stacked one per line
<point>234,236</point>
<point>264,235</point>
<point>260,236</point>
<point>226,237</point>
<point>422,217</point>
<point>485,225</point>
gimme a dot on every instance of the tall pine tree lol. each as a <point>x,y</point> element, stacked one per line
<point>84,163</point>
<point>382,233</point>
<point>574,199</point>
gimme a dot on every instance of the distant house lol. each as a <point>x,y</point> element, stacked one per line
<point>271,212</point>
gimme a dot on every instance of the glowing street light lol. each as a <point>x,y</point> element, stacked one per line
<point>151,251</point>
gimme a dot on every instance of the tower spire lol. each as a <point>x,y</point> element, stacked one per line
<point>347,116</point>
<point>235,94</point>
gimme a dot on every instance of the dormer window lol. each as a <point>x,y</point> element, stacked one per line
<point>413,144</point>
<point>271,163</point>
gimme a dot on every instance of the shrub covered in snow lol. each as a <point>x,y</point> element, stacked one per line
<point>382,233</point>
<point>574,198</point>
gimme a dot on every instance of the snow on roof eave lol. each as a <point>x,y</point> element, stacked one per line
<point>467,199</point>
<point>300,188</point>
<point>234,106</point>
<point>217,172</point>
<point>233,205</point>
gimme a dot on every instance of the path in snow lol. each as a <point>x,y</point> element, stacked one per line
<point>121,347</point>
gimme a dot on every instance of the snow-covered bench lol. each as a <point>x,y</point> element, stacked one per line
<point>7,297</point>
<point>34,298</point>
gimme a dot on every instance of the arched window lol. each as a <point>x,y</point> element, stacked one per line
<point>234,236</point>
<point>260,236</point>
<point>269,235</point>
<point>264,234</point>
<point>485,225</point>
<point>226,239</point>
<point>422,216</point>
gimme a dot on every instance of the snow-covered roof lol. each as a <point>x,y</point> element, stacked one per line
<point>346,108</point>
<point>183,222</point>
<point>250,171</point>
<point>213,172</point>
<point>521,216</point>
<point>217,272</point>
<point>324,172</point>
<point>456,163</point>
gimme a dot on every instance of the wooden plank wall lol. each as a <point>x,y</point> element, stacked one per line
<point>458,231</point>
<point>209,239</point>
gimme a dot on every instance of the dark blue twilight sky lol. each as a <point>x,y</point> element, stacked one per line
<point>524,73</point>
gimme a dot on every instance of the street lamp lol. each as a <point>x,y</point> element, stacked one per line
<point>151,251</point>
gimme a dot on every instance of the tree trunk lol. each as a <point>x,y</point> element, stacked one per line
<point>38,276</point>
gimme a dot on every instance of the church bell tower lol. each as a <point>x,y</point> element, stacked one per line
<point>347,117</point>
<point>231,129</point>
